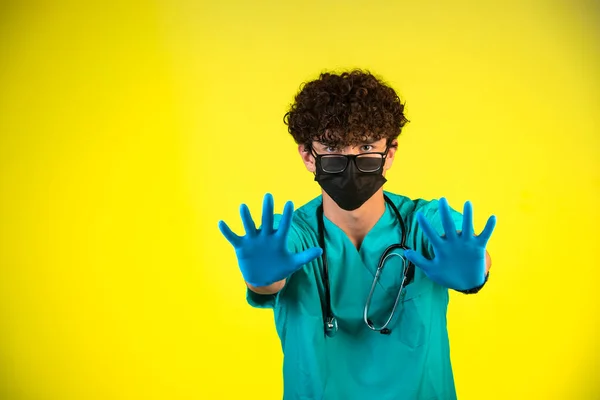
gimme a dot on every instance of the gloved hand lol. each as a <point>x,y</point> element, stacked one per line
<point>262,254</point>
<point>459,261</point>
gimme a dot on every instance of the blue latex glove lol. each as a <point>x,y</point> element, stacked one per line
<point>262,254</point>
<point>459,261</point>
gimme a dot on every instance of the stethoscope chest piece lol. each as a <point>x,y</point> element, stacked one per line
<point>331,326</point>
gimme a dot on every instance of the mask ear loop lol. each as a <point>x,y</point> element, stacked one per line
<point>384,158</point>
<point>309,149</point>
<point>313,153</point>
<point>388,146</point>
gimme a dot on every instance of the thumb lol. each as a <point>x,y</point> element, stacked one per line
<point>418,259</point>
<point>307,256</point>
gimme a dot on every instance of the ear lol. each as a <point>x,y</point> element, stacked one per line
<point>391,153</point>
<point>307,158</point>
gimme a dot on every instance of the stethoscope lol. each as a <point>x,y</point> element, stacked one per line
<point>331,324</point>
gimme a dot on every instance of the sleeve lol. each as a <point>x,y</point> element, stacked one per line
<point>262,300</point>
<point>270,300</point>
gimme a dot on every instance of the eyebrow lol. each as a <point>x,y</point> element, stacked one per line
<point>368,140</point>
<point>328,145</point>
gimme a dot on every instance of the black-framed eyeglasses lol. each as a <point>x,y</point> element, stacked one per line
<point>337,163</point>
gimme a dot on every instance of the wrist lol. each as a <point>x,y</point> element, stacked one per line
<point>267,290</point>
<point>476,288</point>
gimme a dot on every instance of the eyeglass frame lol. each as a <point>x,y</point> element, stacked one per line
<point>352,157</point>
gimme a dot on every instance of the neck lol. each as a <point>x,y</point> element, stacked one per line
<point>357,223</point>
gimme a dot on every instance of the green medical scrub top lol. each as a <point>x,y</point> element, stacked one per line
<point>412,362</point>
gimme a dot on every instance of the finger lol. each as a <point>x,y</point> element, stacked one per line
<point>467,225</point>
<point>267,214</point>
<point>447,222</point>
<point>247,220</point>
<point>286,220</point>
<point>487,231</point>
<point>428,231</point>
<point>418,259</point>
<point>307,256</point>
<point>231,237</point>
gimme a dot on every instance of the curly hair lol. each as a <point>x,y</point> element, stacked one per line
<point>345,109</point>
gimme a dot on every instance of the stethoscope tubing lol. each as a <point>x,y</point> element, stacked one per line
<point>408,273</point>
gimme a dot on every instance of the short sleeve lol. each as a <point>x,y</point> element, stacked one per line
<point>262,300</point>
<point>270,300</point>
<point>432,212</point>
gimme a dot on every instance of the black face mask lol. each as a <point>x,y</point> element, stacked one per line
<point>351,188</point>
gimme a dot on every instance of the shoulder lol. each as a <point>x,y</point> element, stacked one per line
<point>304,225</point>
<point>408,207</point>
<point>303,215</point>
<point>306,215</point>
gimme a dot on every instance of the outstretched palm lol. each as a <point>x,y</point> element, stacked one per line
<point>459,261</point>
<point>262,253</point>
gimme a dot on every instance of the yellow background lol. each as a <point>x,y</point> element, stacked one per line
<point>128,129</point>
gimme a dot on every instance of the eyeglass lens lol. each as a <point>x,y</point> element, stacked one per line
<point>334,163</point>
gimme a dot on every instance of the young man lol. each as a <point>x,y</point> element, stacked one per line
<point>356,318</point>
